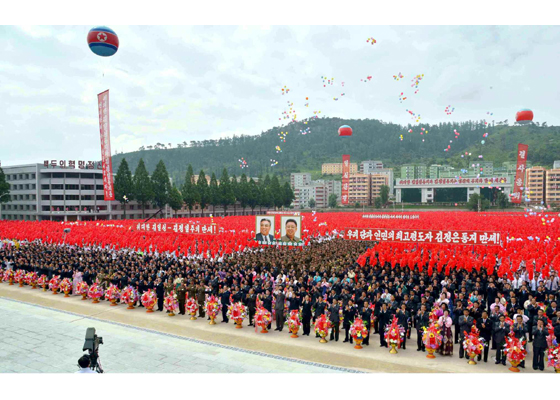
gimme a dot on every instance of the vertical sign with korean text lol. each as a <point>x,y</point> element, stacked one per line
<point>519,182</point>
<point>103,103</point>
<point>345,177</point>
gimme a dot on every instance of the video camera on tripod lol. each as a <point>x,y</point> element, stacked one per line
<point>92,346</point>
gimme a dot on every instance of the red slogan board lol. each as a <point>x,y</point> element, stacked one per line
<point>424,236</point>
<point>104,131</point>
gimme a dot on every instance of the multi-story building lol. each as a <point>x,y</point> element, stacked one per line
<point>368,167</point>
<point>376,182</point>
<point>553,186</point>
<point>336,168</point>
<point>319,191</point>
<point>300,179</point>
<point>436,170</point>
<point>390,176</point>
<point>556,164</point>
<point>535,184</point>
<point>412,171</point>
<point>359,189</point>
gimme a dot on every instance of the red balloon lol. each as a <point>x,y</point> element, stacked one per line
<point>524,116</point>
<point>344,130</point>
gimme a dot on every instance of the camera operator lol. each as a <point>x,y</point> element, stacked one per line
<point>84,364</point>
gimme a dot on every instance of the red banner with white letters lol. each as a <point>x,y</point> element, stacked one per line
<point>424,236</point>
<point>195,229</point>
<point>345,177</point>
<point>519,182</point>
<point>103,104</point>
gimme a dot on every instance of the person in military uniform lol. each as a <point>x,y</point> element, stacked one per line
<point>181,294</point>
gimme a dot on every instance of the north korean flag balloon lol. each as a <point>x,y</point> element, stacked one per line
<point>524,116</point>
<point>344,130</point>
<point>103,41</point>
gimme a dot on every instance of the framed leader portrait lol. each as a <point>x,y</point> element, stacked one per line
<point>291,228</point>
<point>264,228</point>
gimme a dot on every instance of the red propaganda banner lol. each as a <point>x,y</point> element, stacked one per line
<point>424,236</point>
<point>283,213</point>
<point>103,102</point>
<point>345,178</point>
<point>519,173</point>
<point>195,229</point>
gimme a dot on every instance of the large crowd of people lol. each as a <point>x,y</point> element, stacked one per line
<point>323,277</point>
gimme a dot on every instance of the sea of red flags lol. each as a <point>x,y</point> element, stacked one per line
<point>533,239</point>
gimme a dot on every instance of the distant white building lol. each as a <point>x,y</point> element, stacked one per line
<point>319,191</point>
<point>556,164</point>
<point>300,179</point>
<point>368,167</point>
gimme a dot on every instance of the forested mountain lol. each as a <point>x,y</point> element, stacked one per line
<point>372,139</point>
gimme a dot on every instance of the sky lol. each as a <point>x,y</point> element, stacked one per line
<point>171,84</point>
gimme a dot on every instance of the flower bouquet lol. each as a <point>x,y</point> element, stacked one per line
<point>358,331</point>
<point>394,334</point>
<point>31,279</point>
<point>43,282</point>
<point>262,318</point>
<point>192,307</point>
<point>113,294</point>
<point>515,351</point>
<point>149,300</point>
<point>237,312</point>
<point>213,306</point>
<point>432,339</point>
<point>82,289</point>
<point>20,277</point>
<point>171,304</point>
<point>473,344</point>
<point>322,326</point>
<point>9,276</point>
<point>129,296</point>
<point>95,292</point>
<point>294,323</point>
<point>54,283</point>
<point>553,354</point>
<point>66,286</point>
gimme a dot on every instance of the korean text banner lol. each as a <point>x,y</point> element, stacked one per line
<point>202,229</point>
<point>103,104</point>
<point>345,178</point>
<point>424,236</point>
<point>519,182</point>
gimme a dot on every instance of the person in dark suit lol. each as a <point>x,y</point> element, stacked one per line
<point>465,325</point>
<point>484,325</point>
<point>264,234</point>
<point>402,318</point>
<point>279,308</point>
<point>366,315</point>
<point>422,321</point>
<point>501,330</point>
<point>334,317</point>
<point>306,314</point>
<point>267,304</point>
<point>384,319</point>
<point>349,315</point>
<point>520,330</point>
<point>224,298</point>
<point>160,289</point>
<point>539,345</point>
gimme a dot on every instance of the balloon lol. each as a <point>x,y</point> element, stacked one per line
<point>344,130</point>
<point>524,116</point>
<point>103,41</point>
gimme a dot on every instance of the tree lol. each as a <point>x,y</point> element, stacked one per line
<point>502,200</point>
<point>203,191</point>
<point>473,202</point>
<point>124,187</point>
<point>243,194</point>
<point>377,202</point>
<point>289,196</point>
<point>253,195</point>
<point>276,192</point>
<point>143,190</point>
<point>311,203</point>
<point>357,205</point>
<point>214,193</point>
<point>384,195</point>
<point>333,200</point>
<point>234,190</point>
<point>4,188</point>
<point>161,185</point>
<point>175,200</point>
<point>189,190</point>
<point>225,191</point>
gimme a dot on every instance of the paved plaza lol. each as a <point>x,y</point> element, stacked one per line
<point>39,339</point>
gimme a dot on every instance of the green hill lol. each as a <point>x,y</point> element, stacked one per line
<point>372,139</point>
